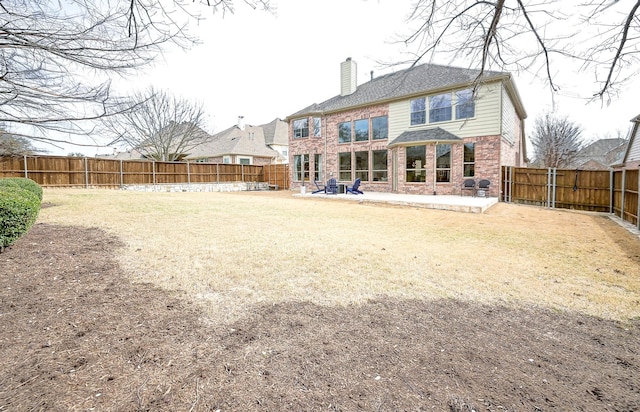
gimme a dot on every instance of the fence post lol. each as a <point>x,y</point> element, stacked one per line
<point>611,190</point>
<point>624,189</point>
<point>188,174</point>
<point>121,174</point>
<point>555,182</point>
<point>218,173</point>
<point>26,172</point>
<point>548,187</point>
<point>153,171</point>
<point>86,174</point>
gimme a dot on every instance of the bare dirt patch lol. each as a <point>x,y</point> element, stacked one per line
<point>77,334</point>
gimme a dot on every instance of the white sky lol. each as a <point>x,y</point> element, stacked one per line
<point>262,66</point>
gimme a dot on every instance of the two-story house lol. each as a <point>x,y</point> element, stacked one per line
<point>422,130</point>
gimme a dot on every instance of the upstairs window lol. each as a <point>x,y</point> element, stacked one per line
<point>465,106</point>
<point>344,132</point>
<point>361,128</point>
<point>418,111</point>
<point>317,130</point>
<point>440,108</point>
<point>300,128</point>
<point>379,128</point>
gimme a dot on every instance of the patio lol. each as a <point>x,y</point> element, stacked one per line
<point>467,204</point>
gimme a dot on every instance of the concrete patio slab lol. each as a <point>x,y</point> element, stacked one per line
<point>467,204</point>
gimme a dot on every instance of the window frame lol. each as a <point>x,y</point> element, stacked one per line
<point>419,173</point>
<point>317,167</point>
<point>379,136</point>
<point>418,111</point>
<point>360,137</point>
<point>299,131</point>
<point>301,160</point>
<point>317,126</point>
<point>440,104</point>
<point>466,163</point>
<point>383,173</point>
<point>443,172</point>
<point>345,174</point>
<point>468,107</point>
<point>361,172</point>
<point>341,139</point>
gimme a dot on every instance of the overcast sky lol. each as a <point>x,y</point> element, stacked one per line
<point>263,66</point>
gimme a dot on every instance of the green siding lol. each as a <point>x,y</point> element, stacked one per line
<point>508,117</point>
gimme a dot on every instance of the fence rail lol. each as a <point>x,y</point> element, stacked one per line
<point>55,171</point>
<point>591,190</point>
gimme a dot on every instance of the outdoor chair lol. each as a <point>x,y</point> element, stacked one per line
<point>483,187</point>
<point>332,187</point>
<point>355,189</point>
<point>320,188</point>
<point>469,185</point>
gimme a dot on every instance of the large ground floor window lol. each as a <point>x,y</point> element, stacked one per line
<point>317,167</point>
<point>416,159</point>
<point>469,169</point>
<point>362,165</point>
<point>443,163</point>
<point>366,165</point>
<point>379,171</point>
<point>300,168</point>
<point>344,162</point>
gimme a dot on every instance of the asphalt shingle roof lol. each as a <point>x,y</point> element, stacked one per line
<point>425,135</point>
<point>415,80</point>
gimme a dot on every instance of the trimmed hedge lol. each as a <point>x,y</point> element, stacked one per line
<point>18,211</point>
<point>23,183</point>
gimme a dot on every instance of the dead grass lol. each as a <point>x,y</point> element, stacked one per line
<point>233,250</point>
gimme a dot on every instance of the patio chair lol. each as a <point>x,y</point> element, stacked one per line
<point>320,188</point>
<point>355,189</point>
<point>332,187</point>
<point>469,185</point>
<point>483,187</point>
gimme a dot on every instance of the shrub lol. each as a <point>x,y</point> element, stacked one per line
<point>18,211</point>
<point>23,183</point>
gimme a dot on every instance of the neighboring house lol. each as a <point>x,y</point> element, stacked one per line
<point>631,159</point>
<point>600,155</point>
<point>244,144</point>
<point>420,130</point>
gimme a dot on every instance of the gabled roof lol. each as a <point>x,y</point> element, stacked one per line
<point>235,141</point>
<point>276,132</point>
<point>420,79</point>
<point>424,136</point>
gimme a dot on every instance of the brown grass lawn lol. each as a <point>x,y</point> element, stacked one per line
<point>230,251</point>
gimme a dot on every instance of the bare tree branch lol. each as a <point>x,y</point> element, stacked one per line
<point>161,126</point>
<point>548,38</point>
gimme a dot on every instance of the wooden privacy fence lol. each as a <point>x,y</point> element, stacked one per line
<point>53,171</point>
<point>591,190</point>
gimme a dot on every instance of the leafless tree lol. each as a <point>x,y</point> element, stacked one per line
<point>540,36</point>
<point>12,145</point>
<point>56,57</point>
<point>162,126</point>
<point>556,141</point>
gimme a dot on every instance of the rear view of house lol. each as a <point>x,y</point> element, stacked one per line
<point>423,130</point>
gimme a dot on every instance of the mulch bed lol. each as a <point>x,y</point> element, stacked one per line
<point>77,334</point>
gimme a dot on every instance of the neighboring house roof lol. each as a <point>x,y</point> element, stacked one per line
<point>276,132</point>
<point>428,135</point>
<point>249,141</point>
<point>415,80</point>
<point>601,154</point>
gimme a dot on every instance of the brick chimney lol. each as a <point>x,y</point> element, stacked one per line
<point>348,80</point>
